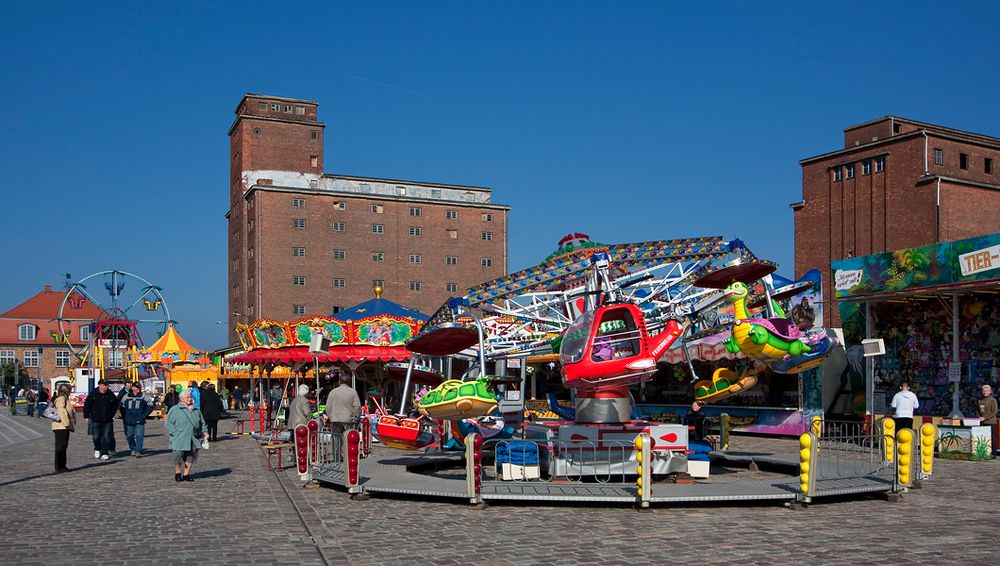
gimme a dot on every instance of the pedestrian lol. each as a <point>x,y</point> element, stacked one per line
<point>697,423</point>
<point>43,400</point>
<point>186,427</point>
<point>300,411</point>
<point>99,411</point>
<point>274,400</point>
<point>238,398</point>
<point>31,397</point>
<point>136,407</point>
<point>904,402</point>
<point>987,409</point>
<point>65,425</point>
<point>195,393</point>
<point>342,407</point>
<point>171,399</point>
<point>224,393</point>
<point>211,411</point>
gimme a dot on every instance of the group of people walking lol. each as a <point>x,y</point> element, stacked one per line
<point>192,421</point>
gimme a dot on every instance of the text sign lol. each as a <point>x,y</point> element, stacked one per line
<point>980,260</point>
<point>844,279</point>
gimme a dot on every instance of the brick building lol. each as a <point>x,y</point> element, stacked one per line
<point>896,183</point>
<point>30,335</point>
<point>302,241</point>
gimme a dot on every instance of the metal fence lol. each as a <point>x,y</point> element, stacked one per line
<point>607,461</point>
<point>846,450</point>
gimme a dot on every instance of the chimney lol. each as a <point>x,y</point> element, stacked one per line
<point>48,289</point>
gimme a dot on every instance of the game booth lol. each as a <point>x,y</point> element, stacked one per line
<point>936,308</point>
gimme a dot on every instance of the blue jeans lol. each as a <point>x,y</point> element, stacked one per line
<point>134,433</point>
<point>104,437</point>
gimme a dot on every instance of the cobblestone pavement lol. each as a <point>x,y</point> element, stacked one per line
<point>132,511</point>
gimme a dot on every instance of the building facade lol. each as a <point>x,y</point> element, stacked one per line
<point>302,241</point>
<point>896,183</point>
<point>30,336</point>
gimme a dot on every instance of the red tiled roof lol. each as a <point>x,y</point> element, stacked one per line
<point>42,310</point>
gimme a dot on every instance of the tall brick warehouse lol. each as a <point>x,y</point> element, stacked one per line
<point>897,183</point>
<point>302,241</point>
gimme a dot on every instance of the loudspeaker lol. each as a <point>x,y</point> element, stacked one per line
<point>319,344</point>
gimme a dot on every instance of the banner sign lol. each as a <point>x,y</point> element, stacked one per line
<point>936,265</point>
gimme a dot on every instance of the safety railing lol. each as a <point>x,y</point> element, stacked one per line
<point>330,444</point>
<point>846,449</point>
<point>576,461</point>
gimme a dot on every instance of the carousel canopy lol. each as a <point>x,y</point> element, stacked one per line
<point>171,348</point>
<point>376,329</point>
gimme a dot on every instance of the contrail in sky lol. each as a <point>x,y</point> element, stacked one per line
<point>393,87</point>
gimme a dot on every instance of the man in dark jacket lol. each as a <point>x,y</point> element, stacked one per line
<point>171,399</point>
<point>99,410</point>
<point>211,411</point>
<point>135,408</point>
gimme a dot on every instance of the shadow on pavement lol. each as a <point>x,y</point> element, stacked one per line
<point>71,470</point>
<point>212,473</point>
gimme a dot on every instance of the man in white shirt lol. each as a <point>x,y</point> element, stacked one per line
<point>904,403</point>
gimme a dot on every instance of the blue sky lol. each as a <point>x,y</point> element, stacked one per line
<point>629,121</point>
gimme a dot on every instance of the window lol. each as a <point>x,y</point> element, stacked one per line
<point>415,286</point>
<point>298,251</point>
<point>250,203</point>
<point>487,217</point>
<point>451,260</point>
<point>250,224</point>
<point>6,356</point>
<point>261,106</point>
<point>414,230</point>
<point>486,236</point>
<point>988,166</point>
<point>116,358</point>
<point>416,258</point>
<point>336,309</point>
<point>85,331</point>
<point>288,109</point>
<point>314,161</point>
<point>486,262</point>
<point>451,287</point>
<point>837,172</point>
<point>314,135</point>
<point>451,214</point>
<point>378,208</point>
<point>435,193</point>
<point>339,254</point>
<point>414,211</point>
<point>300,110</point>
<point>896,128</point>
<point>938,156</point>
<point>298,203</point>
<point>963,161</point>
<point>275,107</point>
<point>401,191</point>
<point>339,282</point>
<point>298,223</point>
<point>850,170</point>
<point>31,358</point>
<point>298,309</point>
<point>250,282</point>
<point>452,234</point>
<point>313,183</point>
<point>250,253</point>
<point>880,164</point>
<point>378,256</point>
<point>26,332</point>
<point>298,280</point>
<point>364,187</point>
<point>378,229</point>
<point>340,205</point>
<point>62,358</point>
<point>866,167</point>
<point>339,226</point>
<point>378,283</point>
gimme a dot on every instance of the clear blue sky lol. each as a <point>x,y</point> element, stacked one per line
<point>626,120</point>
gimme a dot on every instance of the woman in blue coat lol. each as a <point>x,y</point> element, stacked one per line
<point>186,427</point>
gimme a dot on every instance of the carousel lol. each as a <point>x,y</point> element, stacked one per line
<point>171,360</point>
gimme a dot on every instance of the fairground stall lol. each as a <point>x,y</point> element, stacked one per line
<point>936,307</point>
<point>172,361</point>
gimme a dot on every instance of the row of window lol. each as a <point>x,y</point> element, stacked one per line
<point>849,169</point>
<point>286,108</point>
<point>963,161</point>
<point>379,257</point>
<point>29,333</point>
<point>32,358</point>
<point>300,223</point>
<point>415,211</point>
<point>340,282</point>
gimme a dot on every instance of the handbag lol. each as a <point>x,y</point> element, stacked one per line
<point>51,413</point>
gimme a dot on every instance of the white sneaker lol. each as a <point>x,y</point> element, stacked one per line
<point>97,453</point>
<point>105,457</point>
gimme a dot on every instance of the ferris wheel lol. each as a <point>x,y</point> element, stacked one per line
<point>111,310</point>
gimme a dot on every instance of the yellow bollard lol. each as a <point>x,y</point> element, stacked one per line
<point>928,436</point>
<point>905,451</point>
<point>889,435</point>
<point>807,462</point>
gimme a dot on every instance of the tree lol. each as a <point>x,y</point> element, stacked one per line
<point>13,373</point>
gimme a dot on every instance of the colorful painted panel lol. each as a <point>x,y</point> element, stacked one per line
<point>332,330</point>
<point>384,331</point>
<point>268,334</point>
<point>948,263</point>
